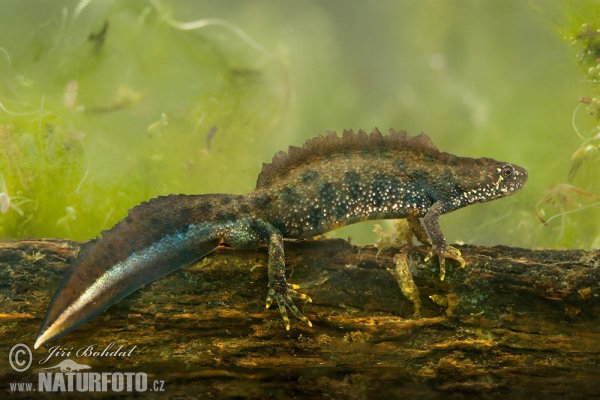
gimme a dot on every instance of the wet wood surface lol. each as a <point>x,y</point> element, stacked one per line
<point>513,322</point>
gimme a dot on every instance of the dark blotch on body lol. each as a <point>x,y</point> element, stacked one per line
<point>204,208</point>
<point>261,201</point>
<point>309,176</point>
<point>352,181</point>
<point>245,208</point>
<point>327,194</point>
<point>222,216</point>
<point>314,217</point>
<point>420,176</point>
<point>400,166</point>
<point>257,228</point>
<point>185,214</point>
<point>341,210</point>
<point>377,194</point>
<point>289,195</point>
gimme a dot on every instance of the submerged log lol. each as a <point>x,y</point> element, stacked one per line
<point>512,322</point>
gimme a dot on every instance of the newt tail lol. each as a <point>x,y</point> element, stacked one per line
<point>329,182</point>
<point>126,258</point>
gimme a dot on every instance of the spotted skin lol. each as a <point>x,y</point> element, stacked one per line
<point>328,183</point>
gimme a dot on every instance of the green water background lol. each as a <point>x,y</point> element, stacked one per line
<point>106,104</point>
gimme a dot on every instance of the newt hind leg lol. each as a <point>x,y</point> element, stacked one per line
<point>279,289</point>
<point>253,233</point>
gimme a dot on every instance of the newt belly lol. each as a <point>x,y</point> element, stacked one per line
<point>328,183</point>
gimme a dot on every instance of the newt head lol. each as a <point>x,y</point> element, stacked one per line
<point>505,179</point>
<point>495,179</point>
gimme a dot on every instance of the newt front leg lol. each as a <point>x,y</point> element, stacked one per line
<point>439,246</point>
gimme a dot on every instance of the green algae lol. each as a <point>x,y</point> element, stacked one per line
<point>106,106</point>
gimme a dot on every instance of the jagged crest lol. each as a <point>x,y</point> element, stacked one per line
<point>157,207</point>
<point>349,142</point>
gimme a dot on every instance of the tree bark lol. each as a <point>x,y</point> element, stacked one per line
<point>513,322</point>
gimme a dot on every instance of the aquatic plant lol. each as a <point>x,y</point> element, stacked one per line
<point>106,104</point>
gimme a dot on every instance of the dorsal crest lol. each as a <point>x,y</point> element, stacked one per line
<point>331,144</point>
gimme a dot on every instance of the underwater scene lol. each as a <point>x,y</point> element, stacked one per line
<point>259,199</point>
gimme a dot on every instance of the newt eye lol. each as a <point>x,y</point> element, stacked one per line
<point>507,171</point>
